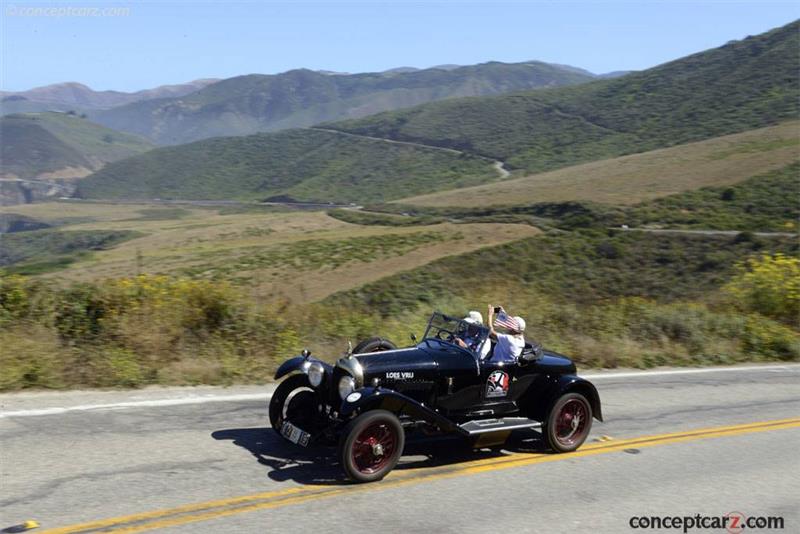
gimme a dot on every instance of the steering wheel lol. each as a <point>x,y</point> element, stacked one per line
<point>448,337</point>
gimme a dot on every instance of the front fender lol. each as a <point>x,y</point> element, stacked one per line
<point>299,364</point>
<point>386,399</point>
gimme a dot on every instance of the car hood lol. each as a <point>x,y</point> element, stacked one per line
<point>407,364</point>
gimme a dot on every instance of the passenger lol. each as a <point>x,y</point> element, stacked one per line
<point>509,346</point>
<point>473,340</point>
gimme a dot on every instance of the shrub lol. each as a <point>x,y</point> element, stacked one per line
<point>766,339</point>
<point>769,285</point>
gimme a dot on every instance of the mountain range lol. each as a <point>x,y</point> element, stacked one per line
<point>298,98</point>
<point>80,98</point>
<point>740,86</point>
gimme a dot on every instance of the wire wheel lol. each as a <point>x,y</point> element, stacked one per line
<point>371,445</point>
<point>569,423</point>
<point>373,448</point>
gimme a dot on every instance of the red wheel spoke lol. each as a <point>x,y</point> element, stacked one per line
<point>571,422</point>
<point>363,450</point>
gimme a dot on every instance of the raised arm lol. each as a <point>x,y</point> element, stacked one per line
<point>492,333</point>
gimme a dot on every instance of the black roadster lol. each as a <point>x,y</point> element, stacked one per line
<point>371,397</point>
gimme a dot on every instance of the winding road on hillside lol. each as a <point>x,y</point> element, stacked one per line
<point>675,443</point>
<point>499,166</point>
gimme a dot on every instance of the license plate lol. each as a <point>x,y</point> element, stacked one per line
<point>295,434</point>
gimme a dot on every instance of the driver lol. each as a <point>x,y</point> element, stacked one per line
<point>509,346</point>
<point>472,337</point>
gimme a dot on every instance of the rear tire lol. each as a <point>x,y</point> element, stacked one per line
<point>374,344</point>
<point>371,445</point>
<point>568,424</point>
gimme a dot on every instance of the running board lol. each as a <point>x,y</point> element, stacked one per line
<point>483,426</point>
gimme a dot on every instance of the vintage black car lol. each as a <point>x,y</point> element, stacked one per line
<point>371,397</point>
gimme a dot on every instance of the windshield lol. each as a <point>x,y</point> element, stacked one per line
<point>451,330</point>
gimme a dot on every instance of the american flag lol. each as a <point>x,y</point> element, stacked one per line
<point>504,321</point>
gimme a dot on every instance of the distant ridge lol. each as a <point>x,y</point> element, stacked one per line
<point>301,97</point>
<point>76,96</point>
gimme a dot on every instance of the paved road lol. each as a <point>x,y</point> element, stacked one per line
<point>682,443</point>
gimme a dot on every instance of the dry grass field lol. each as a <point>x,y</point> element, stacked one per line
<point>639,177</point>
<point>302,256</point>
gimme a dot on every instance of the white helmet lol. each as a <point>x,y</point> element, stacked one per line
<point>520,322</point>
<point>473,317</point>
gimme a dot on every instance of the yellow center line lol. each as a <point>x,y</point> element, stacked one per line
<point>262,501</point>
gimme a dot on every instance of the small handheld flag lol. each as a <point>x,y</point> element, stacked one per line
<point>503,320</point>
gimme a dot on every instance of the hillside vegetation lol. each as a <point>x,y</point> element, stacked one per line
<point>257,103</point>
<point>740,86</point>
<point>34,252</point>
<point>150,329</point>
<point>766,202</point>
<point>632,179</point>
<point>60,145</point>
<point>300,255</point>
<point>302,164</point>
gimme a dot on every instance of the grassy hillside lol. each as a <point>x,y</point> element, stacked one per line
<point>39,251</point>
<point>257,103</point>
<point>631,179</point>
<point>766,202</point>
<point>303,164</point>
<point>769,202</point>
<point>59,145</point>
<point>296,254</point>
<point>743,85</point>
<point>584,268</point>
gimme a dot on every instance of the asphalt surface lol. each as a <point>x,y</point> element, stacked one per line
<point>202,460</point>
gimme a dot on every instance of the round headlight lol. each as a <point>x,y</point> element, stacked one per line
<point>315,374</point>
<point>346,386</point>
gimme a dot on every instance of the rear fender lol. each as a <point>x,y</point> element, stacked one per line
<point>371,398</point>
<point>548,389</point>
<point>575,384</point>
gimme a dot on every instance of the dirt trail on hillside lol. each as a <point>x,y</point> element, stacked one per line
<point>499,166</point>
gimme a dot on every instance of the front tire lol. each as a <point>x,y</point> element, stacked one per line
<point>568,424</point>
<point>371,445</point>
<point>298,409</point>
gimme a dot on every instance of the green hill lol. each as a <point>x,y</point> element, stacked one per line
<point>59,145</point>
<point>301,164</point>
<point>742,85</point>
<point>258,103</point>
<point>630,179</point>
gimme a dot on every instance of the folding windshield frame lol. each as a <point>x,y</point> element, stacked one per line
<point>452,327</point>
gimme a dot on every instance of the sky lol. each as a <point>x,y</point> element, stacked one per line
<point>142,44</point>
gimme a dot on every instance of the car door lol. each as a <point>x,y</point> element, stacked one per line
<point>459,379</point>
<point>502,385</point>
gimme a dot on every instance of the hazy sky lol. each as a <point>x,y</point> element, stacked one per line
<point>152,43</point>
